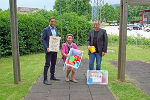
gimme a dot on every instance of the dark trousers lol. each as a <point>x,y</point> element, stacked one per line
<point>51,58</point>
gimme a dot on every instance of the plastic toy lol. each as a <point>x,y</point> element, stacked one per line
<point>97,77</point>
<point>70,62</point>
<point>76,64</point>
<point>72,58</point>
<point>92,49</point>
<point>77,58</point>
<point>103,79</point>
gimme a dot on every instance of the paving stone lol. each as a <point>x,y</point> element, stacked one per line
<point>62,90</point>
<point>37,96</point>
<point>58,98</point>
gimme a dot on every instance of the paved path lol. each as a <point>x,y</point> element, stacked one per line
<point>61,90</point>
<point>139,72</point>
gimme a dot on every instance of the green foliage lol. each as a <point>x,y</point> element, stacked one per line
<point>108,12</point>
<point>30,28</point>
<point>131,40</point>
<point>68,6</point>
<point>5,40</point>
<point>117,14</point>
<point>69,23</point>
<point>29,33</point>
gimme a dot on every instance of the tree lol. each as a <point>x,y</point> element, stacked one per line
<point>117,14</point>
<point>108,12</point>
<point>0,9</point>
<point>84,7</point>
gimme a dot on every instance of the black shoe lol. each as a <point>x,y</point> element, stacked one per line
<point>54,78</point>
<point>46,82</point>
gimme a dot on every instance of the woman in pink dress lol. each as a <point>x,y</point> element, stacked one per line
<point>65,52</point>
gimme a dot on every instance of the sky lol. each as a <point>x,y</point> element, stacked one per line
<point>41,4</point>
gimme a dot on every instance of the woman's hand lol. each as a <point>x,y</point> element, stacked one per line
<point>66,55</point>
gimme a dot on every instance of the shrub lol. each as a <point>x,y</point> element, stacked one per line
<point>30,28</point>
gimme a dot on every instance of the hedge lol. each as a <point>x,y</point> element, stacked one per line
<point>31,25</point>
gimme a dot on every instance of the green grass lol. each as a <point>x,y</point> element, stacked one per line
<point>32,68</point>
<point>123,90</point>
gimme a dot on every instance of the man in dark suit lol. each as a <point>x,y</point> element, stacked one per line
<point>50,56</point>
<point>97,38</point>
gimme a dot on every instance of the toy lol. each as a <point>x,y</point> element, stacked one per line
<point>72,58</point>
<point>97,77</point>
<point>74,61</point>
<point>76,64</point>
<point>103,79</point>
<point>77,58</point>
<point>70,62</point>
<point>92,49</point>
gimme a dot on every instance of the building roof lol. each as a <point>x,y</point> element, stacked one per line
<point>26,9</point>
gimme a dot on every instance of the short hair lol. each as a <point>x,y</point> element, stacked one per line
<point>96,21</point>
<point>69,35</point>
<point>51,18</point>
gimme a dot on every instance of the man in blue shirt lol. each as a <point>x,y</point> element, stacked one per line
<point>50,56</point>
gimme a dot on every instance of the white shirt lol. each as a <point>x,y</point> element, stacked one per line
<point>53,31</point>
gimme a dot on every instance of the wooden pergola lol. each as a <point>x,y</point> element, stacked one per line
<point>122,37</point>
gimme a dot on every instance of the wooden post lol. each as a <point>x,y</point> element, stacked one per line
<point>14,40</point>
<point>122,39</point>
<point>139,2</point>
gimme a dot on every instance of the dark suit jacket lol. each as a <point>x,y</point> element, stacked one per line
<point>102,40</point>
<point>45,37</point>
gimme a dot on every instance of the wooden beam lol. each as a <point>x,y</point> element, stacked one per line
<point>139,2</point>
<point>14,40</point>
<point>122,39</point>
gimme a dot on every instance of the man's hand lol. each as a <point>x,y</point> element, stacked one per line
<point>48,50</point>
<point>89,47</point>
<point>103,53</point>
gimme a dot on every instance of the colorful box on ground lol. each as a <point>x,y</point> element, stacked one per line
<point>74,59</point>
<point>97,77</point>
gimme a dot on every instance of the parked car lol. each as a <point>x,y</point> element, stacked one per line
<point>133,27</point>
<point>114,24</point>
<point>147,29</point>
<point>129,28</point>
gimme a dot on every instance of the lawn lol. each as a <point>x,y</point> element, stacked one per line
<point>32,68</point>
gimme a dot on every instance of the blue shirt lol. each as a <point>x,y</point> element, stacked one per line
<point>53,31</point>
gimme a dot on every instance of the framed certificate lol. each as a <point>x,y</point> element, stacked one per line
<point>54,43</point>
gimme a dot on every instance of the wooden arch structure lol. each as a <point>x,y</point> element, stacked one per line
<point>122,37</point>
